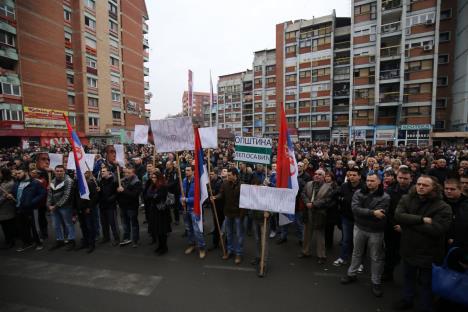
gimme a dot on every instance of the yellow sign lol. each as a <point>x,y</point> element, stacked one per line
<point>35,117</point>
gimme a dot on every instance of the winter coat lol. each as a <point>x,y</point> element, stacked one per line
<point>189,193</point>
<point>108,193</point>
<point>60,193</point>
<point>345,198</point>
<point>422,244</point>
<point>130,197</point>
<point>395,192</point>
<point>459,230</point>
<point>364,204</point>
<point>32,195</point>
<point>7,206</point>
<point>83,204</point>
<point>324,198</point>
<point>230,196</point>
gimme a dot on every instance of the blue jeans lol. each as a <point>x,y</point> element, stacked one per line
<point>284,229</point>
<point>193,232</point>
<point>235,246</point>
<point>347,238</point>
<point>410,274</point>
<point>63,215</point>
<point>130,223</point>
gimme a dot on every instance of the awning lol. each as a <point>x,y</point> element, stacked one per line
<point>450,135</point>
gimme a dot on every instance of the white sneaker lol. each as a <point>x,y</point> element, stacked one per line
<point>339,262</point>
<point>272,234</point>
<point>360,270</point>
<point>39,247</point>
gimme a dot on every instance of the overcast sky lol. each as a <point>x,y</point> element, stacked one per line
<point>214,34</point>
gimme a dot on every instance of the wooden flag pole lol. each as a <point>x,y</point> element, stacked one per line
<point>154,156</point>
<point>184,204</point>
<point>6,193</point>
<point>214,207</point>
<point>118,175</point>
<point>262,258</point>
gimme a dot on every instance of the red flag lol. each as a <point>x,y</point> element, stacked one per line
<point>282,158</point>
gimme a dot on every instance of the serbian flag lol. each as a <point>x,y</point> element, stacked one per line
<point>80,160</point>
<point>286,165</point>
<point>201,180</point>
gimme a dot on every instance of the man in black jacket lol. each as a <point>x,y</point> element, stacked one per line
<point>347,191</point>
<point>458,235</point>
<point>370,206</point>
<point>425,220</point>
<point>128,199</point>
<point>107,194</point>
<point>85,208</point>
<point>173,188</point>
<point>216,182</point>
<point>392,230</point>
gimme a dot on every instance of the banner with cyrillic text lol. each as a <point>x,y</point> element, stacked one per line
<point>264,198</point>
<point>173,134</point>
<point>253,150</point>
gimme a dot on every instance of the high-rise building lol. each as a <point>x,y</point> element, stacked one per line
<point>382,76</point>
<point>81,58</point>
<point>201,106</point>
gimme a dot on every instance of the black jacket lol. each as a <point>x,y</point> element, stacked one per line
<point>422,244</point>
<point>130,198</point>
<point>459,229</point>
<point>83,204</point>
<point>345,198</point>
<point>364,204</point>
<point>172,179</point>
<point>395,192</point>
<point>108,193</point>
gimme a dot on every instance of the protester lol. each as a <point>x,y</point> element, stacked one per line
<point>458,235</point>
<point>7,207</point>
<point>85,208</point>
<point>107,191</point>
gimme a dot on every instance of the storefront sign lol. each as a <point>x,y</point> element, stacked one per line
<point>416,127</point>
<point>35,117</point>
<point>387,134</point>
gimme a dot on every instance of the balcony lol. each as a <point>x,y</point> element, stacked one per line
<point>393,51</point>
<point>6,26</point>
<point>320,123</point>
<point>147,86</point>
<point>68,44</point>
<point>390,28</point>
<point>146,71</point>
<point>390,5</point>
<point>9,53</point>
<point>145,43</point>
<point>342,45</point>
<point>145,56</point>
<point>344,93</point>
<point>91,70</point>
<point>389,74</point>
<point>145,28</point>
<point>113,15</point>
<point>340,109</point>
<point>69,65</point>
<point>389,97</point>
<point>91,50</point>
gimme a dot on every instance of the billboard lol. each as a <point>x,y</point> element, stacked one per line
<point>35,117</point>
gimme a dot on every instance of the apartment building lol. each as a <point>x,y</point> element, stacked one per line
<point>81,58</point>
<point>201,107</point>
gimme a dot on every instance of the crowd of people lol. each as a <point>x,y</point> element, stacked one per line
<point>399,206</point>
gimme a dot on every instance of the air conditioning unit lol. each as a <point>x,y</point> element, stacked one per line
<point>428,47</point>
<point>429,22</point>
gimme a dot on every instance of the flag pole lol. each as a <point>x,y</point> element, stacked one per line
<point>262,258</point>
<point>180,182</point>
<point>215,212</point>
<point>118,175</point>
<point>154,156</point>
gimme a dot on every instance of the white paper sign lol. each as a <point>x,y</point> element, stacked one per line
<point>119,154</point>
<point>140,136</point>
<point>265,198</point>
<point>209,137</point>
<point>89,159</point>
<point>55,160</point>
<point>71,162</point>
<point>173,135</point>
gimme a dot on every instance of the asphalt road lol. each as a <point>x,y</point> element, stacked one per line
<point>128,279</point>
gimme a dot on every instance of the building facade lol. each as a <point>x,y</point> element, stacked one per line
<point>201,109</point>
<point>382,76</point>
<point>81,58</point>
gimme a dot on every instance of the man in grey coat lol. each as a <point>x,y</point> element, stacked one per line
<point>369,206</point>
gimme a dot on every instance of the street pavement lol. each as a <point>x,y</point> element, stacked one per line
<point>137,280</point>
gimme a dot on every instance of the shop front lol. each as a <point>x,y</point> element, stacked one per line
<point>418,135</point>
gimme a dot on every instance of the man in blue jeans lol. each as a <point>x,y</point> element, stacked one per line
<point>347,191</point>
<point>194,235</point>
<point>230,195</point>
<point>59,201</point>
<point>128,199</point>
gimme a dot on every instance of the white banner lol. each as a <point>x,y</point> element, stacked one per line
<point>120,154</point>
<point>71,162</point>
<point>140,136</point>
<point>209,137</point>
<point>89,160</point>
<point>173,135</point>
<point>55,160</point>
<point>265,198</point>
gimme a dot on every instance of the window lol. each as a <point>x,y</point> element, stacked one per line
<point>92,82</point>
<point>114,43</point>
<point>90,43</point>
<point>443,58</point>
<point>115,96</point>
<point>442,81</point>
<point>444,36</point>
<point>113,26</point>
<point>270,68</point>
<point>7,10</point>
<point>445,14</point>
<point>9,89</point>
<point>304,74</point>
<point>115,79</point>
<point>291,49</point>
<point>291,78</point>
<point>441,103</point>
<point>13,112</point>
<point>89,22</point>
<point>70,79</point>
<point>439,124</point>
<point>116,115</point>
<point>68,58</point>
<point>7,38</point>
<point>93,121</point>
<point>91,62</point>
<point>418,65</point>
<point>93,102</point>
<point>66,15</point>
<point>71,100</point>
<point>68,37</point>
<point>112,8</point>
<point>114,61</point>
<point>258,68</point>
<point>90,4</point>
<point>291,35</point>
